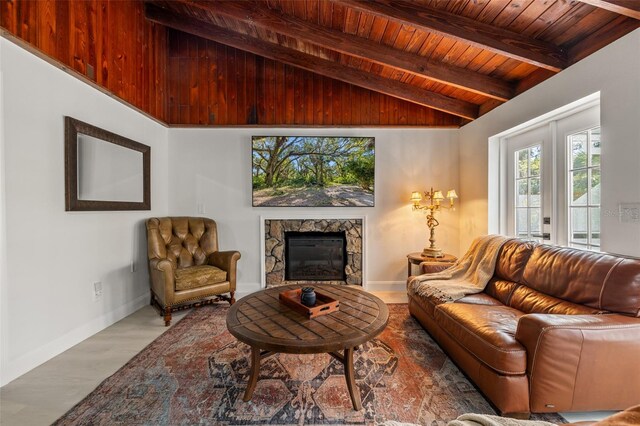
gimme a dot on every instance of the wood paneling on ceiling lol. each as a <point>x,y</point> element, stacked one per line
<point>318,62</point>
<point>209,83</point>
<point>109,42</point>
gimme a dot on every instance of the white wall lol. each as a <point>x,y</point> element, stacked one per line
<point>212,168</point>
<point>53,256</point>
<point>615,72</point>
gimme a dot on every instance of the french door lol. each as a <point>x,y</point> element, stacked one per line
<point>530,179</point>
<point>553,181</point>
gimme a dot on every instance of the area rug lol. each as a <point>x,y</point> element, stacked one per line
<point>196,373</point>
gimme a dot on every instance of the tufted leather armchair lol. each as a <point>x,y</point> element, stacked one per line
<point>185,266</point>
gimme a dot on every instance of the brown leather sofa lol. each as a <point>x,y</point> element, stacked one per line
<point>185,266</point>
<point>556,329</point>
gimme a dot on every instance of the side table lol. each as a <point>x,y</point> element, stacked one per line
<point>440,263</point>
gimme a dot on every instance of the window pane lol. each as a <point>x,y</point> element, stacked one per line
<point>534,160</point>
<point>595,186</point>
<point>594,213</point>
<point>579,223</point>
<point>522,223</point>
<point>521,196</point>
<point>595,147</point>
<point>578,150</point>
<point>579,188</point>
<point>534,192</point>
<point>535,221</point>
<point>522,163</point>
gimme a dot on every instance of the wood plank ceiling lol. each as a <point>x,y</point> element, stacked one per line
<point>343,62</point>
<point>460,57</point>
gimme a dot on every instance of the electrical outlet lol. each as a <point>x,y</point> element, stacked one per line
<point>97,291</point>
<point>133,266</point>
<point>201,209</point>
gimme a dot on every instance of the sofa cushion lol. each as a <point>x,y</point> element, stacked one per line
<point>530,301</point>
<point>512,260</point>
<point>488,332</point>
<point>596,280</point>
<point>479,299</point>
<point>501,290</point>
<point>198,276</point>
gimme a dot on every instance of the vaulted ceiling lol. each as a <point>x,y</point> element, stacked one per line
<point>449,61</point>
<point>460,57</point>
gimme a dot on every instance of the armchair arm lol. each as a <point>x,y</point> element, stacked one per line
<point>227,261</point>
<point>162,279</point>
<point>581,362</point>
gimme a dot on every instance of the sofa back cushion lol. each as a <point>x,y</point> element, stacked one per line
<point>530,301</point>
<point>512,260</point>
<point>599,281</point>
<point>501,290</point>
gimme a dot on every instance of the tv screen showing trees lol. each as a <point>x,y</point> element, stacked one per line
<point>313,171</point>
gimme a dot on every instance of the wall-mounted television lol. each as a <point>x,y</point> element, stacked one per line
<point>313,171</point>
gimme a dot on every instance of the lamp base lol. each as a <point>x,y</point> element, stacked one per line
<point>432,252</point>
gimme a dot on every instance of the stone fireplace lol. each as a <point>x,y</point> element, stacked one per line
<point>316,248</point>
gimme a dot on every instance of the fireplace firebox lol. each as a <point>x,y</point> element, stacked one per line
<point>315,256</point>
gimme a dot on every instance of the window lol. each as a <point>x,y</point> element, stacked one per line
<point>528,205</point>
<point>584,188</point>
<point>549,178</point>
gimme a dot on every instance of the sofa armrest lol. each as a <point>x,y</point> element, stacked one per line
<point>581,362</point>
<point>162,279</point>
<point>431,267</point>
<point>227,261</point>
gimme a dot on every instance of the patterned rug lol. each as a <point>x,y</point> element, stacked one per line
<point>196,372</point>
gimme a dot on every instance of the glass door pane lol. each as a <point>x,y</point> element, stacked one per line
<point>584,178</point>
<point>528,197</point>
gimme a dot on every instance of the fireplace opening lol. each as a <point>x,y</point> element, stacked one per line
<point>317,256</point>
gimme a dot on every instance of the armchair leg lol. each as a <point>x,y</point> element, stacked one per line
<point>167,316</point>
<point>232,300</point>
<point>151,301</point>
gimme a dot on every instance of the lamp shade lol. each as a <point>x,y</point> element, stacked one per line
<point>438,196</point>
<point>451,194</point>
<point>416,197</point>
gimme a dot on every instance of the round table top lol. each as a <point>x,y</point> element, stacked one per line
<point>419,257</point>
<point>261,320</point>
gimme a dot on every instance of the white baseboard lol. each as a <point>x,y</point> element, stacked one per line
<point>400,286</point>
<point>16,368</point>
<point>245,289</point>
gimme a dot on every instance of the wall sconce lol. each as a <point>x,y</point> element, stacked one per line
<point>432,204</point>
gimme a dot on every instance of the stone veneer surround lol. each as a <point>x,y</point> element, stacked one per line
<point>274,242</point>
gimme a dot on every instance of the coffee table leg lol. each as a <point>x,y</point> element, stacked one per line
<point>255,372</point>
<point>349,374</point>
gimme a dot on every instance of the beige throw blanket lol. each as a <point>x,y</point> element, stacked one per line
<point>469,275</point>
<point>480,420</point>
<point>488,420</point>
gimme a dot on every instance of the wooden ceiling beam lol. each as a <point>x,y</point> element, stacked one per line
<point>630,8</point>
<point>466,30</point>
<point>359,47</point>
<point>311,63</point>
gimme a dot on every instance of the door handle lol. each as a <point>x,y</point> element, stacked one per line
<point>544,236</point>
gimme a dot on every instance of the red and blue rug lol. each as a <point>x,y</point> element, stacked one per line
<point>196,372</point>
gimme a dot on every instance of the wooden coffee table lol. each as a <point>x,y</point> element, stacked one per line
<point>269,327</point>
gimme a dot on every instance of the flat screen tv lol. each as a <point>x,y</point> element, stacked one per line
<point>313,171</point>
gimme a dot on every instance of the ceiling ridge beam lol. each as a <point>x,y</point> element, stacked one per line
<point>630,8</point>
<point>311,63</point>
<point>466,30</point>
<point>360,47</point>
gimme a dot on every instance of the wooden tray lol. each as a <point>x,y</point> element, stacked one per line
<point>324,304</point>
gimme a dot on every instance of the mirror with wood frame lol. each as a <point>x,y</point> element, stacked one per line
<point>104,171</point>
